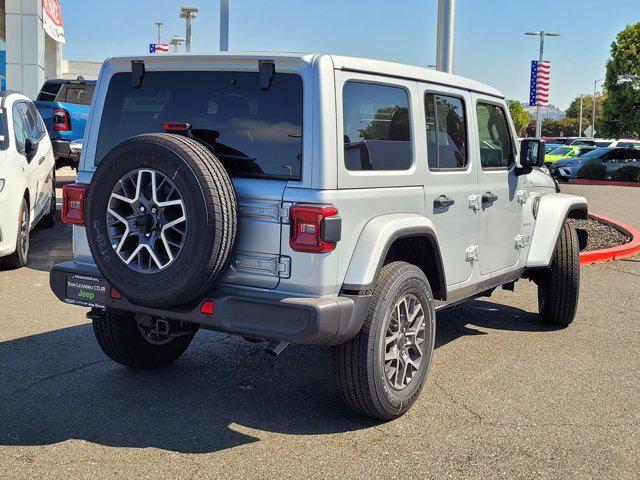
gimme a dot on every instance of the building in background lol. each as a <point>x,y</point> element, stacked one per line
<point>31,40</point>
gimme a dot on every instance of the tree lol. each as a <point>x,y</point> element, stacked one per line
<point>520,116</point>
<point>587,101</point>
<point>567,127</point>
<point>621,115</point>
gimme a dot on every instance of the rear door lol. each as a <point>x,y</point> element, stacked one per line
<point>500,213</point>
<point>450,186</point>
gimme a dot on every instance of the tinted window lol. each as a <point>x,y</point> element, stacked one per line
<point>597,153</point>
<point>254,133</point>
<point>20,126</point>
<point>560,151</point>
<point>78,94</point>
<point>603,144</point>
<point>376,127</point>
<point>36,126</point>
<point>48,92</point>
<point>494,135</point>
<point>446,132</point>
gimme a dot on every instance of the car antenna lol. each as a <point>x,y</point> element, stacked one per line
<point>137,73</point>
<point>267,72</point>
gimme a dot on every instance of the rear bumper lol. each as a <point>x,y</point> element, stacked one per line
<point>321,321</point>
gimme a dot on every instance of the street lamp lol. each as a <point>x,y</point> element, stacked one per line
<point>176,42</point>
<point>541,34</point>
<point>446,35</point>
<point>188,13</point>
<point>593,109</point>
<point>224,25</point>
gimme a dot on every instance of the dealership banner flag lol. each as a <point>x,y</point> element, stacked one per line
<point>539,85</point>
<point>52,20</point>
<point>158,48</point>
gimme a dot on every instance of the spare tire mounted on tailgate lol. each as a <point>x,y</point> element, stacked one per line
<point>161,219</point>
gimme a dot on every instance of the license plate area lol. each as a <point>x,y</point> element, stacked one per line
<point>86,290</point>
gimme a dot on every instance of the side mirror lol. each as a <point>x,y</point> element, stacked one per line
<point>30,148</point>
<point>531,153</point>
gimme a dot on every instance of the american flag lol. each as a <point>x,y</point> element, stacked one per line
<point>539,86</point>
<point>158,48</point>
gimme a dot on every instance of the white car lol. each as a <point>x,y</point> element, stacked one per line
<point>27,177</point>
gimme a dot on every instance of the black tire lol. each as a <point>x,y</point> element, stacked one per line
<point>20,257</point>
<point>120,339</point>
<point>359,364</point>
<point>211,210</point>
<point>559,285</point>
<point>49,220</point>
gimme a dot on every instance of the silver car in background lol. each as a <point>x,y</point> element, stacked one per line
<point>611,158</point>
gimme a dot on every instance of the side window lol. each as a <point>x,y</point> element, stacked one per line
<point>20,126</point>
<point>376,127</point>
<point>35,122</point>
<point>446,132</point>
<point>495,139</point>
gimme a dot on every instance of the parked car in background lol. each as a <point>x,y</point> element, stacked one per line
<point>27,177</point>
<point>623,142</point>
<point>64,106</point>
<point>571,141</point>
<point>611,158</point>
<point>564,151</point>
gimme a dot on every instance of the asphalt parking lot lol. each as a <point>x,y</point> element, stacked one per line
<point>506,396</point>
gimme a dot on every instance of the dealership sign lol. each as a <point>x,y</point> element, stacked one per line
<point>52,20</point>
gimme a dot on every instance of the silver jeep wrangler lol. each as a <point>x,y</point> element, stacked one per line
<point>311,199</point>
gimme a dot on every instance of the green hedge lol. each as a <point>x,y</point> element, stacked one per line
<point>627,173</point>
<point>593,171</point>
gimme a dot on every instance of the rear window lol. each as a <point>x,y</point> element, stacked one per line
<point>49,91</point>
<point>77,94</point>
<point>254,133</point>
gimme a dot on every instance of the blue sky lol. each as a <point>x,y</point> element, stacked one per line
<point>490,45</point>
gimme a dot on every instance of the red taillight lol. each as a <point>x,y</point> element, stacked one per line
<point>115,294</point>
<point>207,307</point>
<point>73,203</point>
<point>61,121</point>
<point>314,228</point>
<point>175,127</point>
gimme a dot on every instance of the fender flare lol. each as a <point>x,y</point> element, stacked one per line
<point>551,211</point>
<point>374,243</point>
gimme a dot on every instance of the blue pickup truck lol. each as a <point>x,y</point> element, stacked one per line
<point>64,107</point>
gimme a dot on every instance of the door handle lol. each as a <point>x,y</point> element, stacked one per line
<point>42,159</point>
<point>489,197</point>
<point>443,201</point>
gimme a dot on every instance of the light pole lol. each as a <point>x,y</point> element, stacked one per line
<point>446,35</point>
<point>159,24</point>
<point>188,13</point>
<point>580,127</point>
<point>176,41</point>
<point>541,34</point>
<point>224,25</point>
<point>593,109</point>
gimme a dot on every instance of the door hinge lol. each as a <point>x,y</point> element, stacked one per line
<point>473,253</point>
<point>474,202</point>
<point>523,196</point>
<point>284,212</point>
<point>284,267</point>
<point>522,241</point>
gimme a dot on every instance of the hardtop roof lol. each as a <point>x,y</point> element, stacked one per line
<point>340,62</point>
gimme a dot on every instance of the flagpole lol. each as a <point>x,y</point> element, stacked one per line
<point>541,34</point>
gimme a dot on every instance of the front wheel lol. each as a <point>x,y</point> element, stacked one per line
<point>559,285</point>
<point>381,371</point>
<point>128,343</point>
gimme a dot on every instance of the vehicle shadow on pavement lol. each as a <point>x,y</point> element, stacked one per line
<point>222,393</point>
<point>48,246</point>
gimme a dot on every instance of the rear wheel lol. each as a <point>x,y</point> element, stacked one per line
<point>381,371</point>
<point>131,344</point>
<point>19,258</point>
<point>559,285</point>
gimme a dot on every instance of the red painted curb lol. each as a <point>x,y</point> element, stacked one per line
<point>613,253</point>
<point>580,181</point>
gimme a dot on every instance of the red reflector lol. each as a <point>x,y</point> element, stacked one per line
<point>61,121</point>
<point>306,223</point>
<point>73,203</point>
<point>175,127</point>
<point>207,307</point>
<point>115,294</point>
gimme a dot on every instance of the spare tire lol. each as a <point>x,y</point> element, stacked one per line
<point>161,219</point>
